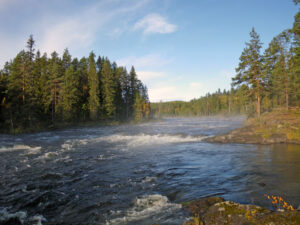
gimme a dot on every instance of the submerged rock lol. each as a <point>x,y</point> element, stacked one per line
<point>217,211</point>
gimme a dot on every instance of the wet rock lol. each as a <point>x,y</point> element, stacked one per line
<point>173,195</point>
<point>226,212</point>
<point>200,206</point>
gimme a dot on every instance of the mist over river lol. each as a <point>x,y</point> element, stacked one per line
<point>137,174</point>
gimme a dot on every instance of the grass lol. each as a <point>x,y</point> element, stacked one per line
<point>277,122</point>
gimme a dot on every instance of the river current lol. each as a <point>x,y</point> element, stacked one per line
<point>137,174</point>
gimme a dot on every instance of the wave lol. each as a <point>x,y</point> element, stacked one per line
<point>146,139</point>
<point>21,216</point>
<point>31,150</point>
<point>147,206</point>
<point>48,156</point>
<point>132,141</point>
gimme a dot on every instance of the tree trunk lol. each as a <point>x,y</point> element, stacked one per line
<point>285,83</point>
<point>258,105</point>
<point>23,83</point>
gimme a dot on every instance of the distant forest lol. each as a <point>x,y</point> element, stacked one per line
<point>39,92</point>
<point>262,83</point>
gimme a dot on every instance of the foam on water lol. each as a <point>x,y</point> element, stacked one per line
<point>22,216</point>
<point>48,155</point>
<point>5,215</point>
<point>132,141</point>
<point>147,206</point>
<point>31,150</point>
<point>149,179</point>
<point>146,139</point>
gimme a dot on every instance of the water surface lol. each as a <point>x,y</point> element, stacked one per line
<point>137,174</point>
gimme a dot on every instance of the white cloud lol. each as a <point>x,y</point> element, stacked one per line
<point>80,31</point>
<point>174,91</point>
<point>56,30</point>
<point>68,34</point>
<point>148,75</point>
<point>196,85</point>
<point>155,23</point>
<point>165,93</point>
<point>147,61</point>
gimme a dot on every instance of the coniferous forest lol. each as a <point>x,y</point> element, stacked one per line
<point>38,91</point>
<point>263,81</point>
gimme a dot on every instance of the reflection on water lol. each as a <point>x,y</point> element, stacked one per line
<point>137,174</point>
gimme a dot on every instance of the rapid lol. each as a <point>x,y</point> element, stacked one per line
<point>137,174</point>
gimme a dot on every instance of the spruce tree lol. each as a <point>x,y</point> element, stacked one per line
<point>93,84</point>
<point>70,94</point>
<point>108,90</point>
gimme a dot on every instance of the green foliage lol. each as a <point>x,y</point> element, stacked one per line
<point>262,83</point>
<point>249,71</point>
<point>39,92</point>
<point>108,89</point>
<point>70,94</point>
<point>93,85</point>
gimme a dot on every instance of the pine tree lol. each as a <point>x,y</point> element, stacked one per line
<point>277,58</point>
<point>93,84</point>
<point>249,71</point>
<point>70,94</point>
<point>108,90</point>
<point>296,58</point>
<point>132,89</point>
<point>55,83</point>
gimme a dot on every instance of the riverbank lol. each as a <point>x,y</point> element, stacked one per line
<point>64,125</point>
<point>217,211</point>
<point>279,126</point>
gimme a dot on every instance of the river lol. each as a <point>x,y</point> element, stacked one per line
<point>137,174</point>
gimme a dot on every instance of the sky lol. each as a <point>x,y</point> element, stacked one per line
<point>180,49</point>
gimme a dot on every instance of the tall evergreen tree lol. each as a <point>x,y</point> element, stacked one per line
<point>249,71</point>
<point>93,83</point>
<point>296,58</point>
<point>55,83</point>
<point>277,58</point>
<point>132,88</point>
<point>70,94</point>
<point>108,87</point>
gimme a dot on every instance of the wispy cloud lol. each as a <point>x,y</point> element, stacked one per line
<point>149,61</point>
<point>58,29</point>
<point>149,75</point>
<point>81,30</point>
<point>69,34</point>
<point>196,85</point>
<point>155,23</point>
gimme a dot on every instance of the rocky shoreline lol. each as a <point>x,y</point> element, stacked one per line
<point>271,128</point>
<point>216,211</point>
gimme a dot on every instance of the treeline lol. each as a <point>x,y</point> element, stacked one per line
<point>263,81</point>
<point>37,91</point>
<point>226,102</point>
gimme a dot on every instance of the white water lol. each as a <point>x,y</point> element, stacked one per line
<point>31,150</point>
<point>145,207</point>
<point>134,141</point>
<point>21,216</point>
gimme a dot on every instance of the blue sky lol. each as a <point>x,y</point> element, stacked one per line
<point>181,49</point>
